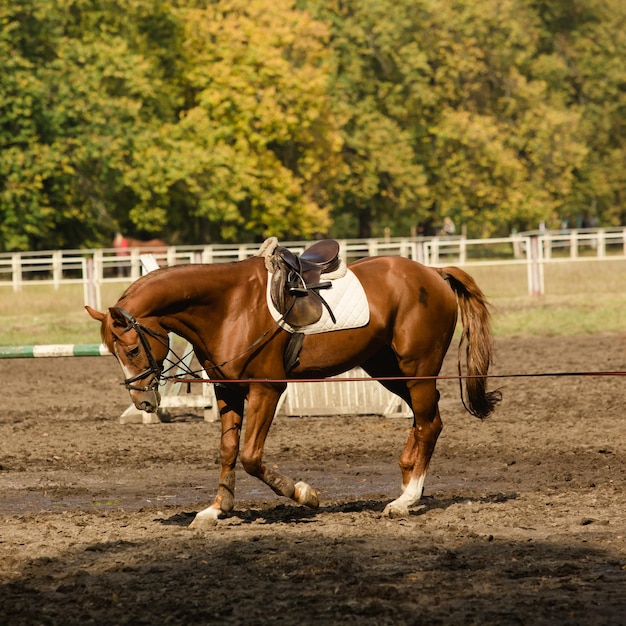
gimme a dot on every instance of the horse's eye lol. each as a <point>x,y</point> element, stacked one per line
<point>133,353</point>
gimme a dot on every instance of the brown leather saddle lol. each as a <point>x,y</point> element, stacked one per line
<point>296,281</point>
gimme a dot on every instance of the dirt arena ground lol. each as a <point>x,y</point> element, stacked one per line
<point>523,519</point>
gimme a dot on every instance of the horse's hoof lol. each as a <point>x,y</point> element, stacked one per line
<point>205,520</point>
<point>305,494</point>
<point>396,511</point>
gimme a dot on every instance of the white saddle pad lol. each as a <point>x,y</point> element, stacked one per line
<point>346,299</point>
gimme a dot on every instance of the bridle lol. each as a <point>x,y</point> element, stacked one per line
<point>157,370</point>
<point>153,367</point>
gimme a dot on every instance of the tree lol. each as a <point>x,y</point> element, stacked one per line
<point>231,120</point>
<point>195,124</point>
<point>496,142</point>
<point>256,148</point>
<point>76,94</point>
<point>383,183</point>
<point>583,46</point>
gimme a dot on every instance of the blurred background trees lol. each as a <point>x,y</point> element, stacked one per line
<point>233,120</point>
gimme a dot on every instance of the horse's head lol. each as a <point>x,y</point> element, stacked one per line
<point>140,349</point>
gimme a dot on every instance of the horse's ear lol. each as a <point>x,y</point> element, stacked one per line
<point>99,317</point>
<point>117,317</point>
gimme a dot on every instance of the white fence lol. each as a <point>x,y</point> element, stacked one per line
<point>94,268</point>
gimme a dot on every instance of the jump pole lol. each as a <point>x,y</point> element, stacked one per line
<point>53,350</point>
<point>172,397</point>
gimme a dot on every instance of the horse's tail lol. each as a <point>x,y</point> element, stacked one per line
<point>480,345</point>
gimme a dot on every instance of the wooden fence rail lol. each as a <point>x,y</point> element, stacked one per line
<point>94,268</point>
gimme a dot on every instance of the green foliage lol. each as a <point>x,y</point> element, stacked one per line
<point>495,140</point>
<point>232,120</point>
<point>589,39</point>
<point>256,148</point>
<point>76,94</point>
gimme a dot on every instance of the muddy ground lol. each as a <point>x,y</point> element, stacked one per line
<point>523,519</point>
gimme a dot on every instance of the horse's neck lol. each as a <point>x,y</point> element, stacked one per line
<point>174,290</point>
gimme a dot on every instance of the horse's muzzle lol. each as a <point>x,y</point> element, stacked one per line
<point>147,401</point>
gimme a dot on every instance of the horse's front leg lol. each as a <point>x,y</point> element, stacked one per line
<point>230,405</point>
<point>419,448</point>
<point>261,408</point>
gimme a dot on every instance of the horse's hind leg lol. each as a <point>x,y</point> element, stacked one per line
<point>419,447</point>
<point>230,406</point>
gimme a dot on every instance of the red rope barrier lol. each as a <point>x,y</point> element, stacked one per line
<point>389,378</point>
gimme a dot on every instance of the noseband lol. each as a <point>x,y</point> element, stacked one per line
<point>153,367</point>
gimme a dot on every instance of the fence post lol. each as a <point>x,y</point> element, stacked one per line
<point>98,277</point>
<point>462,251</point>
<point>207,254</point>
<point>135,264</point>
<point>89,289</point>
<point>420,257</point>
<point>16,262</point>
<point>434,251</point>
<point>517,246</point>
<point>573,244</point>
<point>547,245</point>
<point>535,267</point>
<point>601,244</point>
<point>57,268</point>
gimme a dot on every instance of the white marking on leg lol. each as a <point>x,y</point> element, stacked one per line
<point>412,494</point>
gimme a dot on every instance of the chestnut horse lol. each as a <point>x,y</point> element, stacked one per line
<point>123,244</point>
<point>221,309</point>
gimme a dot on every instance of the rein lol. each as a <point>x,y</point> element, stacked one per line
<point>155,369</point>
<point>255,343</point>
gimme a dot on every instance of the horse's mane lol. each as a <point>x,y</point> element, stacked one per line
<point>144,284</point>
<point>105,331</point>
<point>146,278</point>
